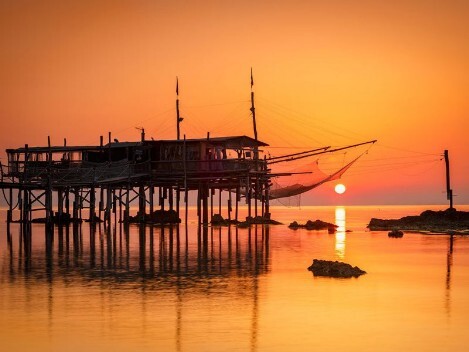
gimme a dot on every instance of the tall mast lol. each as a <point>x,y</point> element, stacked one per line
<point>178,118</point>
<point>253,110</point>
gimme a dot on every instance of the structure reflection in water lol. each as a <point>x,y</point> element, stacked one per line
<point>340,235</point>
<point>165,261</point>
<point>126,253</point>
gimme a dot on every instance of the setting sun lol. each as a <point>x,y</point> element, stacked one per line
<point>340,188</point>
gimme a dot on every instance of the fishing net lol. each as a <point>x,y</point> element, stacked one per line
<point>302,180</point>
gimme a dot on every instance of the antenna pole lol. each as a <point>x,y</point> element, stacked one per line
<point>253,110</point>
<point>178,118</point>
<point>449,191</point>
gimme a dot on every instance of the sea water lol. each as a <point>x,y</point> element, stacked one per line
<point>147,288</point>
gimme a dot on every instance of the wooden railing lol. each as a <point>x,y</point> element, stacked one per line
<point>64,172</point>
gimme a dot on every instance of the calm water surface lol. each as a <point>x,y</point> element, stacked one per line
<point>234,289</point>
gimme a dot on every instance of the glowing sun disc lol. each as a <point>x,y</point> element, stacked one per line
<point>340,188</point>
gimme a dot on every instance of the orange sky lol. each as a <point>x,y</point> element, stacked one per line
<point>326,72</point>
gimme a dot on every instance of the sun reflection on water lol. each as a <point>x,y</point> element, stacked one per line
<point>340,233</point>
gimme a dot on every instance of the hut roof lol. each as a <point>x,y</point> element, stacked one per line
<point>54,149</point>
<point>228,142</point>
<point>234,142</point>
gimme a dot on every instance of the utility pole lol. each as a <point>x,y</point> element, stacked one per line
<point>449,191</point>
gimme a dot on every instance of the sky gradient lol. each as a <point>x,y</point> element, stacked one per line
<point>325,73</point>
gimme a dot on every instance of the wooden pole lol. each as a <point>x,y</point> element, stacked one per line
<point>449,191</point>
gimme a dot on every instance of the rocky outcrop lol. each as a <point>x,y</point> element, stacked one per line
<point>445,221</point>
<point>258,220</point>
<point>157,217</point>
<point>395,234</point>
<point>218,220</point>
<point>314,225</point>
<point>334,269</point>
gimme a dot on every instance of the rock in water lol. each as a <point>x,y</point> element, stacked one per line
<point>395,234</point>
<point>315,225</point>
<point>218,220</point>
<point>334,269</point>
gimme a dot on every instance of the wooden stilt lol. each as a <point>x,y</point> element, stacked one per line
<point>205,204</point>
<point>229,205</point>
<point>262,203</point>
<point>101,202</point>
<point>75,204</point>
<point>60,204</point>
<point>178,200</point>
<point>186,205</point>
<point>108,205</point>
<point>114,205</point>
<point>248,200</point>
<point>171,198</point>
<point>237,202</point>
<point>162,197</point>
<point>256,190</point>
<point>127,205</point>
<point>120,204</point>
<point>151,195</point>
<point>267,201</point>
<point>199,202</point>
<point>92,205</point>
<point>80,203</point>
<point>21,204</point>
<point>48,206</point>
<point>211,203</point>
<point>67,201</point>
<point>10,206</point>
<point>142,203</point>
